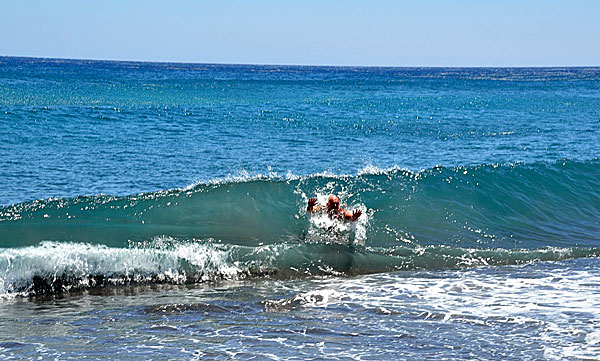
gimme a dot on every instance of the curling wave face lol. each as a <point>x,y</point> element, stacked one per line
<point>433,219</point>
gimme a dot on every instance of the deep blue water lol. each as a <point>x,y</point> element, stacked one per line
<point>163,207</point>
<point>78,127</point>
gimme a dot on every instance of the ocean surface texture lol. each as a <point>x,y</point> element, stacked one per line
<point>157,211</point>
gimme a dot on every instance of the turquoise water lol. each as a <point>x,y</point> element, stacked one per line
<point>163,205</point>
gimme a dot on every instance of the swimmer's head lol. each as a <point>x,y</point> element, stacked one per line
<point>333,203</point>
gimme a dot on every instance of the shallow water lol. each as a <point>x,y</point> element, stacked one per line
<point>537,311</point>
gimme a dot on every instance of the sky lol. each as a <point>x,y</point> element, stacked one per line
<point>308,32</point>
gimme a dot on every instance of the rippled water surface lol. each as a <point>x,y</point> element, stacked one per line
<point>158,211</point>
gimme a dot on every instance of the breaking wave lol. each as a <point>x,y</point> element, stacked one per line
<point>257,227</point>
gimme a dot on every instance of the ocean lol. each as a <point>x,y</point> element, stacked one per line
<point>158,211</point>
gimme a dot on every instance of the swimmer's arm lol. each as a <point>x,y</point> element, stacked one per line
<point>312,206</point>
<point>352,216</point>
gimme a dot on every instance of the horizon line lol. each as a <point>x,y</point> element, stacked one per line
<point>300,65</point>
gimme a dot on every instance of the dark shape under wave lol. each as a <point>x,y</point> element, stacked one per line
<point>57,268</point>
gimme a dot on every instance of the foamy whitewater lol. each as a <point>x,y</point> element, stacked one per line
<point>153,210</point>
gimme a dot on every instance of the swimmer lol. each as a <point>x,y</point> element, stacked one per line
<point>333,209</point>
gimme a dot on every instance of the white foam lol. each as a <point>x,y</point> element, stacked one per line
<point>311,299</point>
<point>78,261</point>
<point>519,295</point>
<point>324,228</point>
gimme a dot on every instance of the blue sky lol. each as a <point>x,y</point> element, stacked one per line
<point>327,32</point>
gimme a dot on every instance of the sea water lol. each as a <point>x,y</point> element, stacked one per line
<point>158,211</point>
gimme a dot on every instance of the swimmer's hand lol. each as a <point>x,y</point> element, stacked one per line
<point>311,204</point>
<point>355,214</point>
